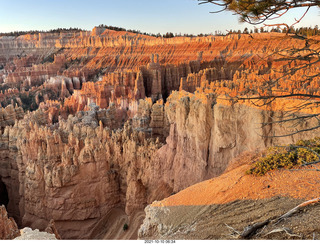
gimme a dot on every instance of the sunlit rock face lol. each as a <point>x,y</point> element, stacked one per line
<point>103,120</point>
<point>79,170</point>
<point>130,66</point>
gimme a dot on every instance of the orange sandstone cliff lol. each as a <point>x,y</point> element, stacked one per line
<point>109,121</point>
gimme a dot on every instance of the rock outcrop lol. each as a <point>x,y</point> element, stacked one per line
<point>135,65</point>
<point>78,170</point>
<point>236,199</point>
<point>29,234</point>
<point>9,115</point>
<point>125,119</point>
<point>56,166</point>
<point>8,227</point>
<point>211,132</point>
<point>52,229</point>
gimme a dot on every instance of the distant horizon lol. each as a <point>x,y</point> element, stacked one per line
<point>268,29</point>
<point>153,17</point>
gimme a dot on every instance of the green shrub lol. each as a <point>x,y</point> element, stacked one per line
<point>125,226</point>
<point>302,152</point>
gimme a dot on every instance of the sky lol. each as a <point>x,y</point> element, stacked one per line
<point>151,16</point>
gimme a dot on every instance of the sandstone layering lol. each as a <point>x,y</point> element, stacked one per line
<point>104,122</point>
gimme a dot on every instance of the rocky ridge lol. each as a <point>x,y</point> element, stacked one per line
<point>112,130</point>
<point>205,210</point>
<point>29,234</point>
<point>126,168</point>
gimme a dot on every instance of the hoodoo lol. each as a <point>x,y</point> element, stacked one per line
<point>97,125</point>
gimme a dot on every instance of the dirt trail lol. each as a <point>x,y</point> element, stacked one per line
<point>110,227</point>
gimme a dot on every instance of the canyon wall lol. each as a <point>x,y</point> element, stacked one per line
<point>78,170</point>
<point>75,173</point>
<point>130,66</point>
<point>206,133</point>
<point>125,119</point>
<point>31,59</point>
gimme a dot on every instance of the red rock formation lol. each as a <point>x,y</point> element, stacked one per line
<point>137,66</point>
<point>78,170</point>
<point>83,56</point>
<point>158,123</point>
<point>211,132</point>
<point>8,227</point>
<point>51,229</point>
<point>104,152</point>
<point>9,115</point>
<point>52,166</point>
